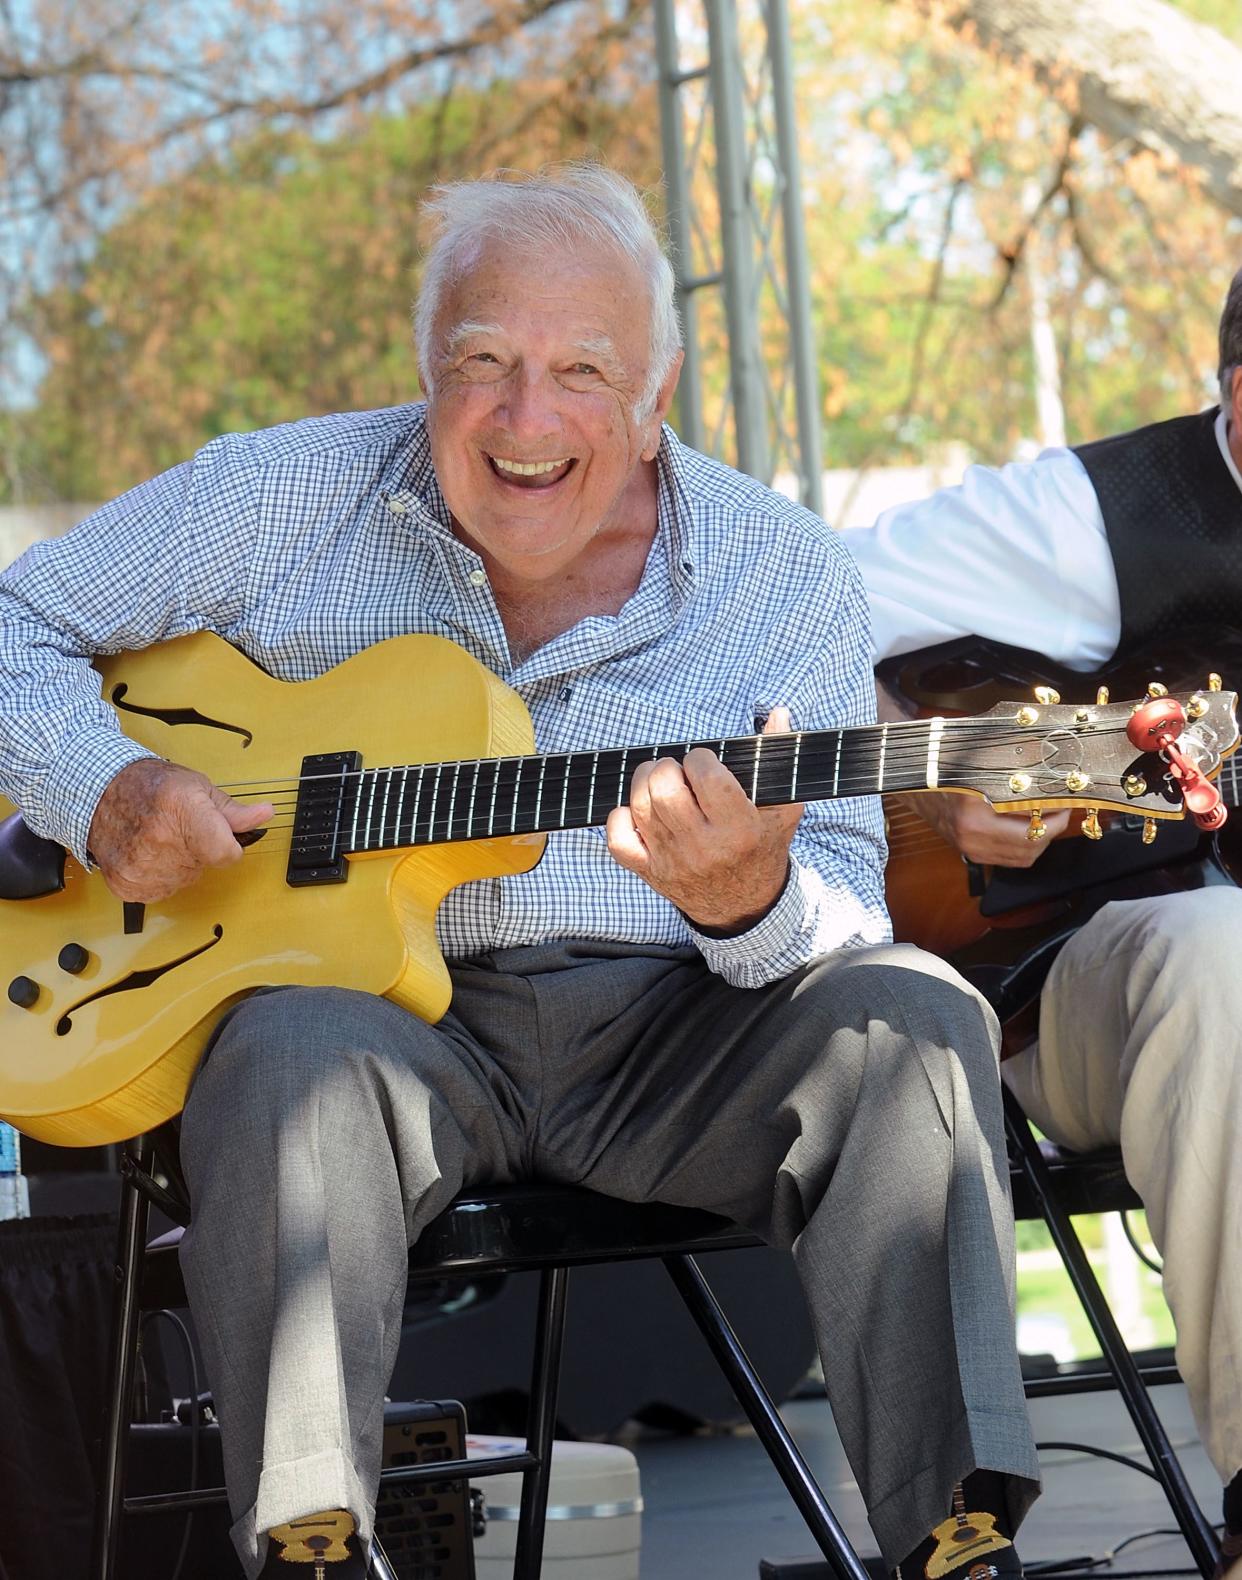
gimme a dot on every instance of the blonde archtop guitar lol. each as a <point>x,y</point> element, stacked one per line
<point>405,771</point>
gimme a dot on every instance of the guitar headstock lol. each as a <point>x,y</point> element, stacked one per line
<point>1038,755</point>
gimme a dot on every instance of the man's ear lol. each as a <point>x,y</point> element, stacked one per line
<point>664,400</point>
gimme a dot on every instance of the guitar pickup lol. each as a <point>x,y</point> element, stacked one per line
<point>316,852</point>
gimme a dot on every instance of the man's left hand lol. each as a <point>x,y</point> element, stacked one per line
<point>693,834</point>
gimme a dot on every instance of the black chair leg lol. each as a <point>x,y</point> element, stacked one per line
<point>770,1429</point>
<point>541,1422</point>
<point>1200,1537</point>
<point>131,1245</point>
<point>379,1567</point>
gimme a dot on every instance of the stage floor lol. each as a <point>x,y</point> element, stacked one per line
<point>714,1506</point>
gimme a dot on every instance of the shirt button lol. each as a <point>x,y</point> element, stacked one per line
<point>477,578</point>
<point>396,507</point>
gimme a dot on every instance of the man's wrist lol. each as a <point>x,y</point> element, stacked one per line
<point>744,924</point>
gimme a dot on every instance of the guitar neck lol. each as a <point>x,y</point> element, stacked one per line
<point>432,803</point>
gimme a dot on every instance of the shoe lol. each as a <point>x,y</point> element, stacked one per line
<point>316,1538</point>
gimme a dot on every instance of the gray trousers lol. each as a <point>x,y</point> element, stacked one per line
<point>850,1111</point>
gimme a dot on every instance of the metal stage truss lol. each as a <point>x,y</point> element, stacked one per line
<point>736,229</point>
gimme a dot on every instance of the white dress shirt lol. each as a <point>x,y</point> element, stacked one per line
<point>1016,554</point>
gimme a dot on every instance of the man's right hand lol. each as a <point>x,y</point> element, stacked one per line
<point>157,826</point>
<point>993,839</point>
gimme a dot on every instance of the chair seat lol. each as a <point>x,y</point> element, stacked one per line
<point>509,1227</point>
<point>506,1228</point>
<point>1082,1181</point>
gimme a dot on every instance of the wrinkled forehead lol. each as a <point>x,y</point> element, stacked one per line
<point>590,294</point>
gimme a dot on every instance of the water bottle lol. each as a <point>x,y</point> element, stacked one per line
<point>14,1193</point>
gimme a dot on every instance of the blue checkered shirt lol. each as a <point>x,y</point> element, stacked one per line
<point>305,543</point>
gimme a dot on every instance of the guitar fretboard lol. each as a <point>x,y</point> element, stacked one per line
<point>423,804</point>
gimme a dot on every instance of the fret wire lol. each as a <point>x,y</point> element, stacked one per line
<point>418,797</point>
<point>453,799</point>
<point>754,778</point>
<point>565,787</point>
<point>435,796</point>
<point>621,772</point>
<point>400,814</point>
<point>517,780</point>
<point>793,781</point>
<point>474,790</point>
<point>836,772</point>
<point>591,789</point>
<point>384,804</point>
<point>491,811</point>
<point>543,769</point>
<point>368,786</point>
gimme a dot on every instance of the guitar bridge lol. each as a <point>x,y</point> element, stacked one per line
<point>316,851</point>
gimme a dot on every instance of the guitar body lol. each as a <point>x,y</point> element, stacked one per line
<point>109,1052</point>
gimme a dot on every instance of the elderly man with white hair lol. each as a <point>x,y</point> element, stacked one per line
<point>699,1006</point>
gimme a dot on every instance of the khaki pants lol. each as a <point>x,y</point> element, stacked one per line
<point>1141,1043</point>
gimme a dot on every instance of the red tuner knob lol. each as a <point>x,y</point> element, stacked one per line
<point>1155,723</point>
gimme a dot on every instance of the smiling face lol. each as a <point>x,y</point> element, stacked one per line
<point>538,365</point>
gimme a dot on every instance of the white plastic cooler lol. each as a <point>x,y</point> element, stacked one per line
<point>595,1510</point>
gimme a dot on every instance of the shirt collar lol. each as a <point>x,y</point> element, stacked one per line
<point>1222,439</point>
<point>410,480</point>
<point>678,518</point>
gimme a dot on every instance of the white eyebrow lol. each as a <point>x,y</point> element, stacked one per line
<point>598,346</point>
<point>465,330</point>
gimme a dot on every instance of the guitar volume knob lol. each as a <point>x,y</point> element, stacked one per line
<point>24,992</point>
<point>73,958</point>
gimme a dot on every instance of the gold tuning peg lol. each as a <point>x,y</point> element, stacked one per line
<point>1213,681</point>
<point>1101,697</point>
<point>1036,829</point>
<point>1155,689</point>
<point>1091,824</point>
<point>1047,696</point>
<point>1149,831</point>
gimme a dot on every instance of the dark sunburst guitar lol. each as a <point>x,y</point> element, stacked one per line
<point>403,772</point>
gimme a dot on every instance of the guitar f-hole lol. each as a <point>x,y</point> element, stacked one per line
<point>136,980</point>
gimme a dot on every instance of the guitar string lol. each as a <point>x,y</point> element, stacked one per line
<point>278,824</point>
<point>784,749</point>
<point>856,735</point>
<point>982,775</point>
<point>855,780</point>
<point>928,840</point>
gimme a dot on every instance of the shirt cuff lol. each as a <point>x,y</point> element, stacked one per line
<point>761,954</point>
<point>87,765</point>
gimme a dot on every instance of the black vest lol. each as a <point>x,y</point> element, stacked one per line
<point>1173,514</point>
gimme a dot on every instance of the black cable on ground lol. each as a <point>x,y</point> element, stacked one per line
<point>1088,1565</point>
<point>1101,1453</point>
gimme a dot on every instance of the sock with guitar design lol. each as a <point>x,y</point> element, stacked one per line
<point>974,1543</point>
<point>319,1539</point>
